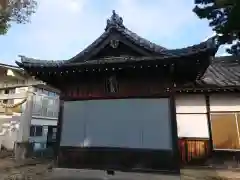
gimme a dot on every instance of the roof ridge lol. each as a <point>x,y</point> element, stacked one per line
<point>116,22</point>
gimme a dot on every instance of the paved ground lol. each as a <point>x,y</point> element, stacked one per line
<point>210,174</point>
<point>186,174</point>
<point>41,170</point>
<point>64,174</point>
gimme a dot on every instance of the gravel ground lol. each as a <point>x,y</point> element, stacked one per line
<point>37,169</point>
<point>30,169</point>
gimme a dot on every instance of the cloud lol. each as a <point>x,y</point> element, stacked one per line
<point>222,50</point>
<point>161,18</point>
<point>62,28</point>
<point>53,26</point>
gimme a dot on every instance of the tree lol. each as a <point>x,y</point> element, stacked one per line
<point>224,18</point>
<point>18,11</point>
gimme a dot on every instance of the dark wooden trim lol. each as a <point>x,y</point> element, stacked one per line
<point>221,156</point>
<point>227,150</point>
<point>207,98</point>
<point>224,112</point>
<point>193,138</point>
<point>59,130</point>
<point>119,159</point>
<point>192,113</point>
<point>173,117</point>
<point>118,96</point>
<point>208,89</point>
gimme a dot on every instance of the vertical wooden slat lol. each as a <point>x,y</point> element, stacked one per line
<point>193,151</point>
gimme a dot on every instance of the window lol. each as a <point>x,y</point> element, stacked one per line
<point>12,91</point>
<point>52,94</point>
<point>6,91</point>
<point>32,131</point>
<point>192,126</point>
<point>9,91</point>
<point>225,130</point>
<point>37,106</point>
<point>36,131</point>
<point>192,116</point>
<point>54,135</point>
<point>39,131</point>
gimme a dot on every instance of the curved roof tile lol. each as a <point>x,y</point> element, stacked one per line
<point>116,22</point>
<point>223,71</point>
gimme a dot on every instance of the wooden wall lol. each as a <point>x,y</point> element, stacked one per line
<point>192,116</point>
<point>129,86</point>
<point>194,151</point>
<point>193,131</point>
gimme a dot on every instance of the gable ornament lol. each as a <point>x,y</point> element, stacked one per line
<point>112,84</point>
<point>114,43</point>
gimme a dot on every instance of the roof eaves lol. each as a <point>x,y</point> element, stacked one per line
<point>31,61</point>
<point>197,48</point>
<point>11,67</point>
<point>223,71</point>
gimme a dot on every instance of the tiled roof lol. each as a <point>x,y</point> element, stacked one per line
<point>115,23</point>
<point>31,62</point>
<point>223,71</point>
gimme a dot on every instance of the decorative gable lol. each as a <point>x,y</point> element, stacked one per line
<point>116,41</point>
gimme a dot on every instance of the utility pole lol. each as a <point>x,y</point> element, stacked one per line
<point>22,143</point>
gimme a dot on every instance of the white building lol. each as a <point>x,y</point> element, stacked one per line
<point>15,87</point>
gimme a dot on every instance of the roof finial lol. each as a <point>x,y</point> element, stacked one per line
<point>114,21</point>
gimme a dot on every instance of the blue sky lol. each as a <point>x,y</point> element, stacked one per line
<point>62,28</point>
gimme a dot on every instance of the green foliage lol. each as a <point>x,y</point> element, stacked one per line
<point>18,11</point>
<point>224,18</point>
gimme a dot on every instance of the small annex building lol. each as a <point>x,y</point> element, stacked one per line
<point>130,104</point>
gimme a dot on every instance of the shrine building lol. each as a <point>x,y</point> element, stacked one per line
<point>129,104</point>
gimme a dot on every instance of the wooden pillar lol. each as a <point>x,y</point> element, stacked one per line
<point>209,123</point>
<point>175,147</point>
